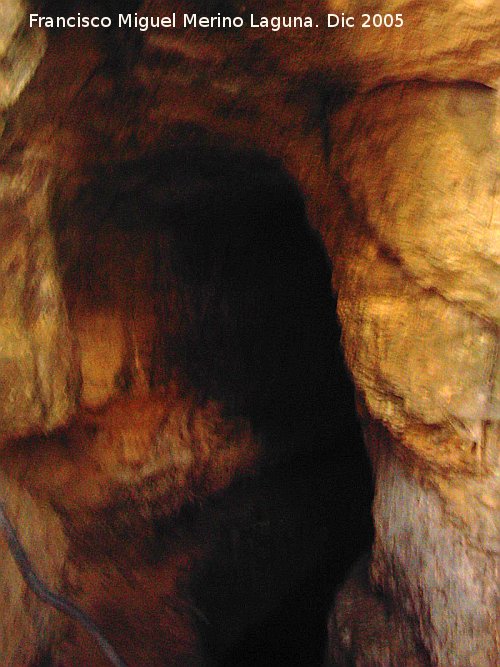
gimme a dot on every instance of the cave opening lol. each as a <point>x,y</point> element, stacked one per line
<point>194,272</point>
<point>180,454</point>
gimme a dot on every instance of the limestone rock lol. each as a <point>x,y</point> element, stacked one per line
<point>414,355</point>
<point>12,13</point>
<point>418,266</point>
<point>416,262</point>
<point>21,50</point>
<point>27,623</point>
<point>426,562</point>
<point>420,163</point>
<point>39,382</point>
<point>450,40</point>
<point>432,597</point>
<point>366,631</point>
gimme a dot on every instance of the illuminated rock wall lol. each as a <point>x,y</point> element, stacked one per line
<point>392,136</point>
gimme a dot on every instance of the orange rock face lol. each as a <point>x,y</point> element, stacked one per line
<point>107,411</point>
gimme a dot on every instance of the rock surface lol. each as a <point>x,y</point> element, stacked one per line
<point>451,41</point>
<point>28,624</point>
<point>431,205</point>
<point>21,50</point>
<point>422,561</point>
<point>366,630</point>
<point>392,134</point>
<point>418,273</point>
<point>12,15</point>
<point>447,41</point>
<point>38,374</point>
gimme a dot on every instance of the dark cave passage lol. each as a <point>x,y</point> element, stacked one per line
<point>182,452</point>
<point>197,267</point>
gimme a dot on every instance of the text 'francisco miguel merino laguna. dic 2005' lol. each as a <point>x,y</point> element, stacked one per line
<point>218,21</point>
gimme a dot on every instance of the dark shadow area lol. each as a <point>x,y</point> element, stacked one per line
<point>243,314</point>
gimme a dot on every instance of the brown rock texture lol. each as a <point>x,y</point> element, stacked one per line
<point>447,41</point>
<point>365,629</point>
<point>28,625</point>
<point>12,15</point>
<point>163,447</point>
<point>21,50</point>
<point>82,501</point>
<point>422,560</point>
<point>418,278</point>
<point>417,274</point>
<point>406,185</point>
<point>392,135</point>
<point>37,357</point>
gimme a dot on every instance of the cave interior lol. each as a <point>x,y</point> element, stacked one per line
<point>197,267</point>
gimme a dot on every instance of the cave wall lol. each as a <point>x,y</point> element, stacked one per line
<point>419,304</point>
<point>393,139</point>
